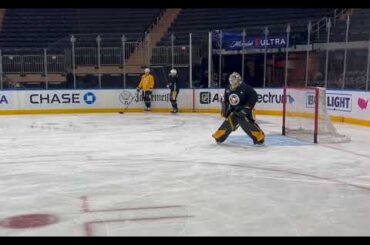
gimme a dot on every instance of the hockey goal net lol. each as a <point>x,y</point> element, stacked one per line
<point>305,116</point>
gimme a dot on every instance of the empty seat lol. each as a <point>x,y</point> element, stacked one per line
<point>43,27</point>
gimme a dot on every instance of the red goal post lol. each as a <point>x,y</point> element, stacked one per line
<point>305,115</point>
<point>315,114</point>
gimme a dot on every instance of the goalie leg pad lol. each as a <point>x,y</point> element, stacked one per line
<point>252,129</point>
<point>228,126</point>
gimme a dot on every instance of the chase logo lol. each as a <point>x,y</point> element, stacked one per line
<point>205,97</point>
<point>89,98</point>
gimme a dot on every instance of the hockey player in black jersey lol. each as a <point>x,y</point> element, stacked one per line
<point>238,109</point>
<point>173,85</point>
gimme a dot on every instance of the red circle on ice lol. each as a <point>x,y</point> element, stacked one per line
<point>28,221</point>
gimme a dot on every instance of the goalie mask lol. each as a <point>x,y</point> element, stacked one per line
<point>235,80</point>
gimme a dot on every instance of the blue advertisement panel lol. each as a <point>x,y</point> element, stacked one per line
<point>234,41</point>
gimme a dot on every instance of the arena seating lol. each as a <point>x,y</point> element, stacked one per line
<point>29,28</point>
<point>358,28</point>
<point>252,20</point>
<point>36,29</point>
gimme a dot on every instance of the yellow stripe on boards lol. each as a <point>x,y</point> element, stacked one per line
<point>268,113</point>
<point>350,120</point>
<point>95,110</point>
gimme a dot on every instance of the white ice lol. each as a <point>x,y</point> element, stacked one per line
<point>160,174</point>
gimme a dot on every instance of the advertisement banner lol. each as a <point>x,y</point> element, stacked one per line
<point>234,41</point>
<point>208,98</point>
<point>7,100</point>
<point>268,99</point>
<point>159,99</point>
<point>346,104</point>
<point>339,101</point>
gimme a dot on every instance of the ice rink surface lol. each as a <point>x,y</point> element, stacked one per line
<point>161,174</point>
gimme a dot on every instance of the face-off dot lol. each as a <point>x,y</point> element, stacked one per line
<point>28,221</point>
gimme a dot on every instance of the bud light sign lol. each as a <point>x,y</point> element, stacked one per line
<point>334,101</point>
<point>310,100</point>
<point>339,102</point>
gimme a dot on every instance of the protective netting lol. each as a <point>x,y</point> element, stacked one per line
<point>302,114</point>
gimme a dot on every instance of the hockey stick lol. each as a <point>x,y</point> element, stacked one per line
<point>132,99</point>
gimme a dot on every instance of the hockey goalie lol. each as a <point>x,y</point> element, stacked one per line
<point>238,109</point>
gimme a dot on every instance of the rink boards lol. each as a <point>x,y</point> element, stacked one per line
<point>345,106</point>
